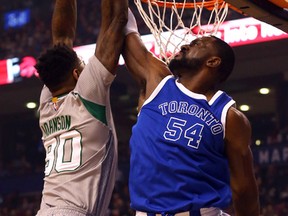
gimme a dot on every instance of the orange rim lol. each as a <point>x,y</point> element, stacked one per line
<point>206,4</point>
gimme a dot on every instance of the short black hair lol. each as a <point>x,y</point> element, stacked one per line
<point>55,65</point>
<point>227,56</point>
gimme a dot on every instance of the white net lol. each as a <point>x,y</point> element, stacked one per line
<point>173,23</point>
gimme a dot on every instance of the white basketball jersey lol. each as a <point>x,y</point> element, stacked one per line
<point>80,142</point>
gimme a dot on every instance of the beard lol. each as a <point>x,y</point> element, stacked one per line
<point>177,65</point>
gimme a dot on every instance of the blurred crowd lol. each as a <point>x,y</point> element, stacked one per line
<point>22,156</point>
<point>35,36</point>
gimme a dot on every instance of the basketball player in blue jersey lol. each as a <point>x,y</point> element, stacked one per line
<point>75,115</point>
<point>190,152</point>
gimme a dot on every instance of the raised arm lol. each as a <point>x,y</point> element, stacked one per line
<point>146,68</point>
<point>243,182</point>
<point>111,37</point>
<point>64,22</point>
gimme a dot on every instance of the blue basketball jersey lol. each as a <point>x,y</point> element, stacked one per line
<point>178,160</point>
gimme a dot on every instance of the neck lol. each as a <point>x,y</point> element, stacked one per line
<point>199,84</point>
<point>65,87</point>
<point>61,91</point>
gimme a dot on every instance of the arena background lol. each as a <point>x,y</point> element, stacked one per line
<point>25,31</point>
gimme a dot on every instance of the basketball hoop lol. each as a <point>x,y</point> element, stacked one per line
<point>177,22</point>
<point>207,4</point>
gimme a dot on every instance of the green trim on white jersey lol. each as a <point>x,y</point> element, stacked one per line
<point>98,111</point>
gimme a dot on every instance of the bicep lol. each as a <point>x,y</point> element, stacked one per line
<point>109,46</point>
<point>136,56</point>
<point>238,139</point>
<point>141,63</point>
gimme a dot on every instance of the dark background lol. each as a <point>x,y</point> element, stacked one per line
<point>21,152</point>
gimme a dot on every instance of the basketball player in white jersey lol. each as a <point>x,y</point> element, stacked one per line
<point>190,146</point>
<point>75,115</point>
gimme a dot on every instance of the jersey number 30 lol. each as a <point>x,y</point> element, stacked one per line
<point>64,152</point>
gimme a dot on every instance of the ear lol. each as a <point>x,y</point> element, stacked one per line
<point>214,61</point>
<point>76,74</point>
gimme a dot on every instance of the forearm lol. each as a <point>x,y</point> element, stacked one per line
<point>135,53</point>
<point>246,203</point>
<point>64,22</point>
<point>111,37</point>
<point>244,187</point>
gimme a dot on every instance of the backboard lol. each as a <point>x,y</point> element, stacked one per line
<point>273,12</point>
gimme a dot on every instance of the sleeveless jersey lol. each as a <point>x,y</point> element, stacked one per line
<point>80,141</point>
<point>177,151</point>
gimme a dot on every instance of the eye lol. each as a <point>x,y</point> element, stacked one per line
<point>195,43</point>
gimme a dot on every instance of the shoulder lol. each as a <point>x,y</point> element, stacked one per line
<point>235,116</point>
<point>97,68</point>
<point>238,129</point>
<point>95,77</point>
<point>45,95</point>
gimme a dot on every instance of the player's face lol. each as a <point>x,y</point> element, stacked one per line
<point>197,49</point>
<point>192,56</point>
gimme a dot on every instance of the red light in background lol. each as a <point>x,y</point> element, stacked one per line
<point>3,72</point>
